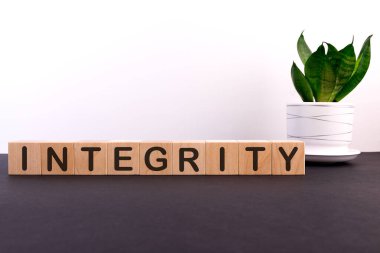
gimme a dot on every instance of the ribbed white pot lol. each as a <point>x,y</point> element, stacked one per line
<point>326,128</point>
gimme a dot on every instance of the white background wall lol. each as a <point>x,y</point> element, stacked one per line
<point>170,69</point>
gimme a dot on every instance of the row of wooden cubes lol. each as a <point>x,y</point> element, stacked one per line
<point>157,158</point>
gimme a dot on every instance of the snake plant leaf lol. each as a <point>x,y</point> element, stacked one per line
<point>333,55</point>
<point>303,49</point>
<point>320,74</point>
<point>361,67</point>
<point>301,84</point>
<point>343,62</point>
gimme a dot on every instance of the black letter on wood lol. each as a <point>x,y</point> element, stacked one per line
<point>62,164</point>
<point>24,158</point>
<point>190,160</point>
<point>288,158</point>
<point>162,160</point>
<point>91,151</point>
<point>222,158</point>
<point>118,158</point>
<point>255,156</point>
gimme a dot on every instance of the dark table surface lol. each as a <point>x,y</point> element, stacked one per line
<point>331,209</point>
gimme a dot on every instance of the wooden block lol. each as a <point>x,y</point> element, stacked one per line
<point>57,158</point>
<point>288,158</point>
<point>189,158</point>
<point>24,158</point>
<point>90,158</point>
<point>222,158</point>
<point>156,158</point>
<point>123,158</point>
<point>255,157</point>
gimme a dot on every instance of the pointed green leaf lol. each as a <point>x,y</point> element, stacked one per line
<point>333,55</point>
<point>343,62</point>
<point>303,49</point>
<point>320,74</point>
<point>301,84</point>
<point>361,67</point>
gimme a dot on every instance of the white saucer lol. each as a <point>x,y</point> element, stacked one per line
<point>333,158</point>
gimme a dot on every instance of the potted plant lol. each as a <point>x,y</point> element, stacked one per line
<point>320,121</point>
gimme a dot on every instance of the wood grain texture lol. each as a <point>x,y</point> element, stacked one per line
<point>255,157</point>
<point>156,158</point>
<point>126,154</point>
<point>59,148</point>
<point>90,158</point>
<point>284,149</point>
<point>189,149</point>
<point>32,164</point>
<point>213,157</point>
<point>214,151</point>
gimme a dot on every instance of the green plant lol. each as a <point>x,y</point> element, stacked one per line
<point>331,76</point>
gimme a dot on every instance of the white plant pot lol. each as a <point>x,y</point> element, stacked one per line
<point>326,128</point>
